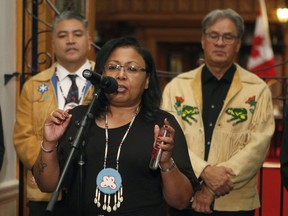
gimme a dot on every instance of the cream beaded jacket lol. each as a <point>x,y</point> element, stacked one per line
<point>38,99</point>
<point>242,133</point>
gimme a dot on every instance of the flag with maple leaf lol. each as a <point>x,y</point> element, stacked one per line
<point>261,59</point>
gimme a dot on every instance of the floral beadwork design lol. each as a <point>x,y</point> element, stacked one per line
<point>185,111</point>
<point>42,88</point>
<point>252,102</point>
<point>238,115</point>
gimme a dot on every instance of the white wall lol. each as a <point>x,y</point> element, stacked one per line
<point>8,181</point>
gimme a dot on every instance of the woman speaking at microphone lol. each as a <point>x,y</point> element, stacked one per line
<point>119,144</point>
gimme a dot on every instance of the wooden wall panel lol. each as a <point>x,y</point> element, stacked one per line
<point>146,17</point>
<point>91,16</point>
<point>192,9</point>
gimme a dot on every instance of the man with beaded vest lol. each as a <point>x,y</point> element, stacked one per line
<point>49,90</point>
<point>227,116</point>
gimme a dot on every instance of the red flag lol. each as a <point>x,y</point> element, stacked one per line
<point>261,56</point>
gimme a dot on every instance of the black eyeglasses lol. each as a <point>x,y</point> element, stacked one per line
<point>213,37</point>
<point>131,69</point>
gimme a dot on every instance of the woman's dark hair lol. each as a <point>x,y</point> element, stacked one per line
<point>151,98</point>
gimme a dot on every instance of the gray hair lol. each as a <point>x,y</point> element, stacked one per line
<point>66,15</point>
<point>214,15</point>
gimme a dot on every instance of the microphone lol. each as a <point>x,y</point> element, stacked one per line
<point>107,84</point>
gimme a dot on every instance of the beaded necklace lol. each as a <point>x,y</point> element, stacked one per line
<point>108,180</point>
<point>72,104</point>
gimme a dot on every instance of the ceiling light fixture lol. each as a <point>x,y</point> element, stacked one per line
<point>282,13</point>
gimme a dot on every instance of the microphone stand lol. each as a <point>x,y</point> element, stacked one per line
<point>85,123</point>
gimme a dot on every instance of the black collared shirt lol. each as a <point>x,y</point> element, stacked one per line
<point>214,93</point>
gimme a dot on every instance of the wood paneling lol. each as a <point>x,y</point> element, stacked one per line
<point>147,18</point>
<point>131,10</point>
